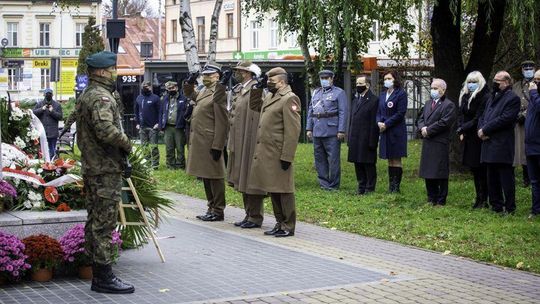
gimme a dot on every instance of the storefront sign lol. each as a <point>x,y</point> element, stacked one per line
<point>18,52</point>
<point>228,6</point>
<point>13,63</point>
<point>41,64</point>
<point>266,55</point>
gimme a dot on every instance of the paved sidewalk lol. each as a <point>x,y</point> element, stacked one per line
<point>220,263</point>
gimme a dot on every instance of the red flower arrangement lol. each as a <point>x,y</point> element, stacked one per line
<point>43,251</point>
<point>63,207</point>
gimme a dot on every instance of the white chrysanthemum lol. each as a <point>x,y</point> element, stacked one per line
<point>16,114</point>
<point>33,134</point>
<point>37,204</point>
<point>27,204</point>
<point>39,171</point>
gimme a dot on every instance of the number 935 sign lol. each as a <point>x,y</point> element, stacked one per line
<point>130,79</point>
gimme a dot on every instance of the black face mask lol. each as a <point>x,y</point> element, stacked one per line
<point>48,97</point>
<point>146,91</point>
<point>496,87</point>
<point>360,89</point>
<point>172,93</point>
<point>272,87</point>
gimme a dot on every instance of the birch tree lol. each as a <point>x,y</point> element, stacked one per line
<point>188,37</point>
<point>212,45</point>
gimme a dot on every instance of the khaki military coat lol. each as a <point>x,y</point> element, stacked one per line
<point>277,139</point>
<point>522,91</point>
<point>208,131</point>
<point>243,122</point>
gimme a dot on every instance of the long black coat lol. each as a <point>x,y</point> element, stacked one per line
<point>498,123</point>
<point>470,113</point>
<point>363,130</point>
<point>435,159</point>
<point>393,141</point>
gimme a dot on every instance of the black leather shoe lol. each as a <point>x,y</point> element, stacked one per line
<point>283,233</point>
<point>273,231</point>
<point>239,224</point>
<point>203,216</point>
<point>104,281</point>
<point>249,225</point>
<point>214,218</point>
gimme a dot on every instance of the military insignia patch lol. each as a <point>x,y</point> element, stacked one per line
<point>105,99</point>
<point>390,105</point>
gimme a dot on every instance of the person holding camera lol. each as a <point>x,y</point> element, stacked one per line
<point>49,111</point>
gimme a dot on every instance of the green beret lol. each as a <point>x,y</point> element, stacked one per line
<point>276,71</point>
<point>101,60</point>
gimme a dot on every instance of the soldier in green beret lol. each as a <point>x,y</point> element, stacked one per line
<point>104,147</point>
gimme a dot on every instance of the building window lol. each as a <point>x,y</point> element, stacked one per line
<point>174,26</point>
<point>12,33</point>
<point>376,31</point>
<point>273,34</point>
<point>293,37</point>
<point>79,30</point>
<point>13,78</point>
<point>45,78</point>
<point>200,34</point>
<point>44,34</point>
<point>230,25</point>
<point>255,26</point>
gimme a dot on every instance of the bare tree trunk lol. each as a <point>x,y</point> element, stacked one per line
<point>188,37</point>
<point>311,73</point>
<point>212,44</point>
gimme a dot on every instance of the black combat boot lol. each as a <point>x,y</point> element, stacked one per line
<point>398,176</point>
<point>105,281</point>
<point>391,179</point>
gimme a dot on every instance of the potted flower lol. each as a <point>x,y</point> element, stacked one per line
<point>44,253</point>
<point>7,192</point>
<point>75,254</point>
<point>13,263</point>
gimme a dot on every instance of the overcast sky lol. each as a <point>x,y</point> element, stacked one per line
<point>154,4</point>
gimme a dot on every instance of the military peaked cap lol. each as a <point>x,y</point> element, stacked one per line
<point>211,68</point>
<point>47,90</point>
<point>528,63</point>
<point>170,84</point>
<point>326,73</point>
<point>101,60</point>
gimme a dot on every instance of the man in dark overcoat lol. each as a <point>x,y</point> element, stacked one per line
<point>496,129</point>
<point>435,126</point>
<point>364,135</point>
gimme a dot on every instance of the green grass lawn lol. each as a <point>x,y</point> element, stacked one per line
<point>405,218</point>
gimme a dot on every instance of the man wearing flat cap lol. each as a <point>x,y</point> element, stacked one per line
<point>173,124</point>
<point>325,125</point>
<point>146,109</point>
<point>49,112</point>
<point>104,147</point>
<point>272,169</point>
<point>207,137</point>
<point>243,122</point>
<point>521,88</point>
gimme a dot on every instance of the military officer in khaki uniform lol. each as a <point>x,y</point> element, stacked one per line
<point>277,137</point>
<point>103,147</point>
<point>208,134</point>
<point>243,122</point>
<point>521,88</point>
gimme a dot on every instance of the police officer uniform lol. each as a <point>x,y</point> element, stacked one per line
<point>272,170</point>
<point>326,117</point>
<point>103,147</point>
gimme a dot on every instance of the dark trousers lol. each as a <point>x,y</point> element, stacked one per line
<point>501,187</point>
<point>327,161</point>
<point>175,142</point>
<point>254,207</point>
<point>284,210</point>
<point>215,195</point>
<point>437,190</point>
<point>149,137</point>
<point>480,183</point>
<point>366,175</point>
<point>52,146</point>
<point>533,165</point>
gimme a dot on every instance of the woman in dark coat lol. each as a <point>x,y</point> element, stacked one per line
<point>364,136</point>
<point>391,122</point>
<point>472,100</point>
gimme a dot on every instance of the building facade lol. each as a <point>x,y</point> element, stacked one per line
<point>35,34</point>
<point>228,38</point>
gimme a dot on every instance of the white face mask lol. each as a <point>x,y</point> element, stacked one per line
<point>325,83</point>
<point>388,83</point>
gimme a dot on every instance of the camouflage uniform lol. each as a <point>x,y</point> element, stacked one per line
<point>103,146</point>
